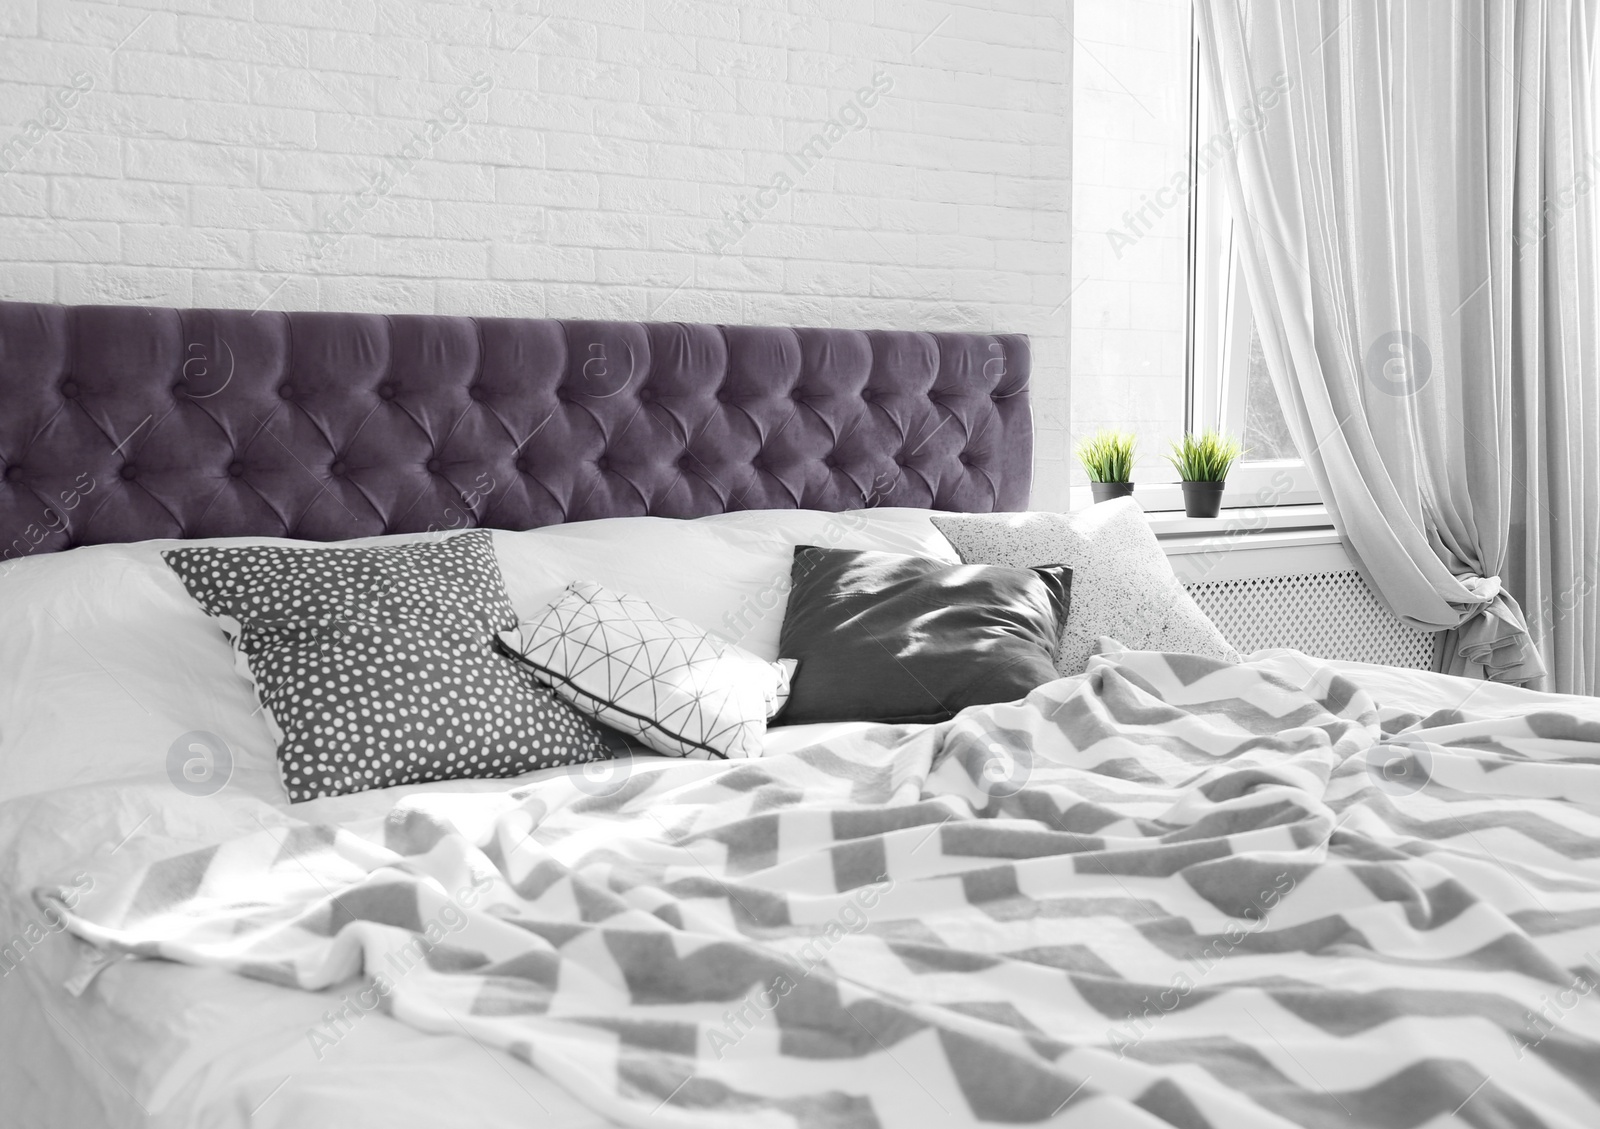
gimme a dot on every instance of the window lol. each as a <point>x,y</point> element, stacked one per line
<point>1229,387</point>
<point>1131,132</point>
<point>1162,336</point>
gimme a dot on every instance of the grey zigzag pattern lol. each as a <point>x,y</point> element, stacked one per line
<point>993,921</point>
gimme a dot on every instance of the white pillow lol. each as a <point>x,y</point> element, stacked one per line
<point>888,529</point>
<point>679,689</point>
<point>1122,583</point>
<point>697,572</point>
<point>107,671</point>
<point>728,573</point>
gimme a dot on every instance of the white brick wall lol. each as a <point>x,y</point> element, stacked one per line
<point>226,153</point>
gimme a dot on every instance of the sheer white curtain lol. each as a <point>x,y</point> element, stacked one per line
<point>1417,215</point>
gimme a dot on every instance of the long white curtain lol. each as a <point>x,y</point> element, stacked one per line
<point>1418,222</point>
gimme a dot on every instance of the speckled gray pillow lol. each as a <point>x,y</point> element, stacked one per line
<point>377,665</point>
<point>1122,584</point>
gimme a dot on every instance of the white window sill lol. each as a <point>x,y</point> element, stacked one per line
<point>1280,541</point>
<point>1232,525</point>
<point>1177,546</point>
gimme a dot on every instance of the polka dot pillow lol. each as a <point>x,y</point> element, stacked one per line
<point>1122,584</point>
<point>378,666</point>
<point>449,579</point>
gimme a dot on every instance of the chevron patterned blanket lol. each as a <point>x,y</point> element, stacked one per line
<point>1167,892</point>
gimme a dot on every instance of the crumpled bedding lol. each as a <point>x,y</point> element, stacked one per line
<point>155,1044</point>
<point>1169,892</point>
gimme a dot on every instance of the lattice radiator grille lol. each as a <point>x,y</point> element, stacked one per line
<point>1332,615</point>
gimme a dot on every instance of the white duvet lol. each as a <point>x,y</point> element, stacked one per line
<point>104,666</point>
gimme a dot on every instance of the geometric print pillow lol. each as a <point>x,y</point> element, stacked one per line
<point>1123,585</point>
<point>679,689</point>
<point>378,666</point>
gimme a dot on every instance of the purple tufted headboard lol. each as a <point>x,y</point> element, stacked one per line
<point>127,423</point>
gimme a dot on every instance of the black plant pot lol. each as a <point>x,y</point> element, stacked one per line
<point>1105,491</point>
<point>1203,499</point>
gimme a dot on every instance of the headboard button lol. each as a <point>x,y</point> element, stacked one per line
<point>13,474</point>
<point>724,396</point>
<point>236,470</point>
<point>434,466</point>
<point>130,472</point>
<point>286,391</point>
<point>386,391</point>
<point>603,462</point>
<point>69,389</point>
<point>686,462</point>
<point>337,468</point>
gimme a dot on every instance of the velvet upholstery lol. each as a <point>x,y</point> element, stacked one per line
<point>124,423</point>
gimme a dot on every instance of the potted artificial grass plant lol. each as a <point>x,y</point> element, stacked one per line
<point>1203,462</point>
<point>1107,457</point>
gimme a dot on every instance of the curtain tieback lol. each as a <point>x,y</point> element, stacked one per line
<point>1484,588</point>
<point>1495,635</point>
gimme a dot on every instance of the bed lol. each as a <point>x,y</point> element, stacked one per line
<point>1172,889</point>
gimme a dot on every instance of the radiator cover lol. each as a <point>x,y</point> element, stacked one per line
<point>1332,615</point>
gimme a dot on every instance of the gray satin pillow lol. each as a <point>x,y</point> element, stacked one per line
<point>892,638</point>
